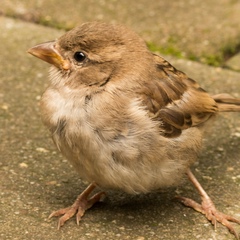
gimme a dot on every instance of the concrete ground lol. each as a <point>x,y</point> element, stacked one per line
<point>35,179</point>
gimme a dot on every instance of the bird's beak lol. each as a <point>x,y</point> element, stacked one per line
<point>48,52</point>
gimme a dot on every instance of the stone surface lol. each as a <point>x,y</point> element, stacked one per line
<point>35,179</point>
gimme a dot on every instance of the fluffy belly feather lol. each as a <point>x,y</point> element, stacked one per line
<point>116,156</point>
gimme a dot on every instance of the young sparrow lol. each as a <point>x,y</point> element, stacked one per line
<point>124,117</point>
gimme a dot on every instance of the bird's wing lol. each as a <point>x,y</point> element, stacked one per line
<point>176,100</point>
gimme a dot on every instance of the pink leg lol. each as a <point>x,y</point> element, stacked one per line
<point>81,204</point>
<point>208,208</point>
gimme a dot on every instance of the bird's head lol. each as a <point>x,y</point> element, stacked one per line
<point>94,52</point>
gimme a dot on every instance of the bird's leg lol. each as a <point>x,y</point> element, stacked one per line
<point>81,204</point>
<point>208,208</point>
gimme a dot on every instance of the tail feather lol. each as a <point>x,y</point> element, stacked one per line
<point>227,103</point>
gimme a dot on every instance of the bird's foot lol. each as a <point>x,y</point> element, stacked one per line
<point>81,204</point>
<point>208,208</point>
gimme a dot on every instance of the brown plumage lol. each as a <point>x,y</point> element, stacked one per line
<point>124,117</point>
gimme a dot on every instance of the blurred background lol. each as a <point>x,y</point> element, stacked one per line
<point>205,31</point>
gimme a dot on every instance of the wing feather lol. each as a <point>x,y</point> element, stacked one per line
<point>176,100</point>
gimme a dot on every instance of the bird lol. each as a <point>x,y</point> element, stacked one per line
<point>124,117</point>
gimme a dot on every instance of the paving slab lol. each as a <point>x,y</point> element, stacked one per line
<point>234,63</point>
<point>35,179</point>
<point>207,31</point>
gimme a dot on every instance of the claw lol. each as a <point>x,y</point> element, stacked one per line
<point>81,204</point>
<point>208,208</point>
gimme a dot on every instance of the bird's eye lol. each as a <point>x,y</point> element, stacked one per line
<point>79,56</point>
